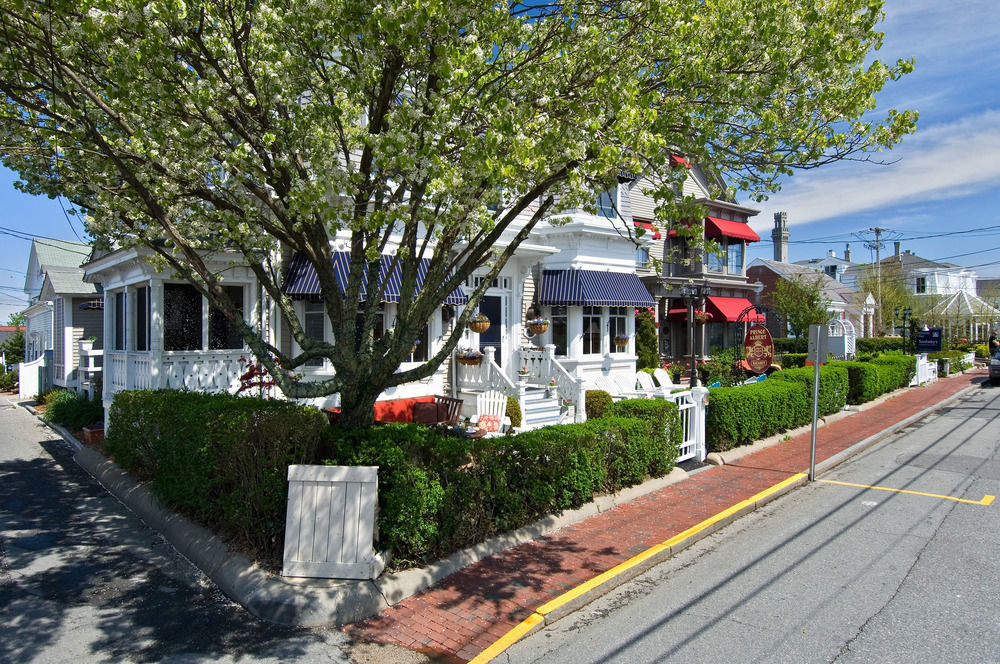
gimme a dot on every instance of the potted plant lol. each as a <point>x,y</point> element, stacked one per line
<point>479,323</point>
<point>413,348</point>
<point>538,325</point>
<point>87,345</point>
<point>523,371</point>
<point>621,340</point>
<point>702,316</point>
<point>469,356</point>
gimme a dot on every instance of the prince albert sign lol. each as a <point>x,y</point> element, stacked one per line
<point>758,348</point>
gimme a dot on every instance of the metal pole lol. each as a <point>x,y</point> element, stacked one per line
<point>812,442</point>
<point>694,370</point>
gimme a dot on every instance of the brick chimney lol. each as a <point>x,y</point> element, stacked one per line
<point>896,245</point>
<point>847,252</point>
<point>780,237</point>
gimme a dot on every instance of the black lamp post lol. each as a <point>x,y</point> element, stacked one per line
<point>694,296</point>
<point>907,312</point>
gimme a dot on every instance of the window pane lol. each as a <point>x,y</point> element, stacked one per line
<point>312,323</point>
<point>222,334</point>
<point>420,353</point>
<point>182,317</point>
<point>713,261</point>
<point>559,329</point>
<point>142,318</point>
<point>606,204</point>
<point>120,320</point>
<point>641,257</point>
<point>616,320</point>
<point>591,330</point>
<point>735,254</point>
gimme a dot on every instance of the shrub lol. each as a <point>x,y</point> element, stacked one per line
<point>665,432</point>
<point>646,343</point>
<point>514,412</point>
<point>72,410</point>
<point>220,459</point>
<point>8,381</point>
<point>597,401</point>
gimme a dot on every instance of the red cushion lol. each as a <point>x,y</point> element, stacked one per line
<point>489,423</point>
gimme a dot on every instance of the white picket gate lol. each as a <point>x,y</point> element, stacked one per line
<point>330,522</point>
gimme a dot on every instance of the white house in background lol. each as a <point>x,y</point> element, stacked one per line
<point>62,310</point>
<point>921,277</point>
<point>44,255</point>
<point>831,265</point>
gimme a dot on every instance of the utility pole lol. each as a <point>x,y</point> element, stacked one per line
<point>872,237</point>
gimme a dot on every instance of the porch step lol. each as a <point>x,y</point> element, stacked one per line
<point>540,410</point>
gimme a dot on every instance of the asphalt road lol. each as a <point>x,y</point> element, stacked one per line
<point>829,572</point>
<point>82,579</point>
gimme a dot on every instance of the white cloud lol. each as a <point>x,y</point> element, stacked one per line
<point>941,162</point>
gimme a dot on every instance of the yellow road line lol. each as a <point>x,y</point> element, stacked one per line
<point>987,499</point>
<point>526,625</point>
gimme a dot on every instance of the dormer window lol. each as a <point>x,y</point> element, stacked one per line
<point>607,203</point>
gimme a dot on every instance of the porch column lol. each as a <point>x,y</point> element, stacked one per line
<point>155,332</point>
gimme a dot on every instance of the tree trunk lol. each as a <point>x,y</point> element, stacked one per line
<point>357,407</point>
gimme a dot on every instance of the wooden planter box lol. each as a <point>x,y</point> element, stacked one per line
<point>93,436</point>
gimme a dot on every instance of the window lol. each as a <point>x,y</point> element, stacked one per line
<point>591,330</point>
<point>560,330</point>
<point>641,257</point>
<point>313,324</point>
<point>831,271</point>
<point>716,335</point>
<point>921,285</point>
<point>420,352</point>
<point>120,320</point>
<point>377,330</point>
<point>142,318</point>
<point>715,262</point>
<point>182,317</point>
<point>223,334</point>
<point>735,255</point>
<point>607,204</point>
<point>617,318</point>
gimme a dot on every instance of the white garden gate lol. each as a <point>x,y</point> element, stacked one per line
<point>330,522</point>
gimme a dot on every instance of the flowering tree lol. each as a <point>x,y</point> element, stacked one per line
<point>444,130</point>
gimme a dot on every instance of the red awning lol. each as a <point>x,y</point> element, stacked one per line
<point>649,227</point>
<point>730,308</point>
<point>676,160</point>
<point>715,227</point>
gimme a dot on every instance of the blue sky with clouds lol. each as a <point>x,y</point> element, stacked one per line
<point>939,198</point>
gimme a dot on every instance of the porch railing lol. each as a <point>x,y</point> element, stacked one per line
<point>542,367</point>
<point>212,371</point>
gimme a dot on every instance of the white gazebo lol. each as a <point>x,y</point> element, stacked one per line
<point>966,313</point>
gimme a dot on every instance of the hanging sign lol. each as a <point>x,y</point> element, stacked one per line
<point>758,348</point>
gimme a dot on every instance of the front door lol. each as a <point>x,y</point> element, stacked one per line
<point>492,306</point>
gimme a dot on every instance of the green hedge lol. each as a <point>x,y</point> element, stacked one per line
<point>833,385</point>
<point>740,415</point>
<point>220,459</point>
<point>866,381</point>
<point>872,345</point>
<point>8,381</point>
<point>899,369</point>
<point>438,493</point>
<point>793,360</point>
<point>791,345</point>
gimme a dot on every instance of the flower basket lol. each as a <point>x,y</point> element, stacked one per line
<point>621,341</point>
<point>469,357</point>
<point>538,325</point>
<point>479,323</point>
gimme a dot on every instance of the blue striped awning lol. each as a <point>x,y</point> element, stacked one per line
<point>302,282</point>
<point>589,288</point>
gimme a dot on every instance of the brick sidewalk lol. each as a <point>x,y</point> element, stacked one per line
<point>466,612</point>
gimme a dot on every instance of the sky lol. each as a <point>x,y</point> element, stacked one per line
<point>939,198</point>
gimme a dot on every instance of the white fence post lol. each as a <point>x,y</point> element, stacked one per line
<point>330,522</point>
<point>699,395</point>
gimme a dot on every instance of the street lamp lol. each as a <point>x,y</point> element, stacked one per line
<point>694,296</point>
<point>907,312</point>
